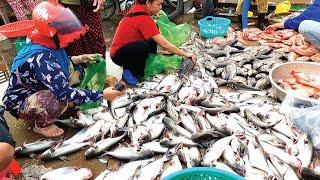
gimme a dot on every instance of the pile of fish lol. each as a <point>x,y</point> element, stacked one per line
<point>183,120</point>
<point>231,62</point>
<point>287,41</point>
<point>302,84</point>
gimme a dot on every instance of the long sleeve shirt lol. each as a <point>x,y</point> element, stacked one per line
<point>42,72</point>
<point>311,13</point>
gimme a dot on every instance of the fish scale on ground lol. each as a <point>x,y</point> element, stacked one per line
<point>185,115</point>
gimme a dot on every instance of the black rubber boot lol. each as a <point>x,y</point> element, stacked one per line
<point>239,18</point>
<point>262,21</point>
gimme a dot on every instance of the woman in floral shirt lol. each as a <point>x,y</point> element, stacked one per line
<point>38,87</point>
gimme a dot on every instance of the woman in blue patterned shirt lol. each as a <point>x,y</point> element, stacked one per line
<point>38,87</point>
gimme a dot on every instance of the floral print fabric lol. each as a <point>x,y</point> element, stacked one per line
<point>42,72</point>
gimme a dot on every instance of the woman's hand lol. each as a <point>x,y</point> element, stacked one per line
<point>274,27</point>
<point>245,32</point>
<point>110,94</point>
<point>99,4</point>
<point>84,58</point>
<point>192,56</point>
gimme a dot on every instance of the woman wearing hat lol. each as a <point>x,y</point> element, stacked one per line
<point>38,87</point>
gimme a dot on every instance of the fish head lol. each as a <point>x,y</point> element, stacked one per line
<point>46,155</point>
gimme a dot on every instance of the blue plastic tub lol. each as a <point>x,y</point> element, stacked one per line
<point>211,27</point>
<point>203,173</point>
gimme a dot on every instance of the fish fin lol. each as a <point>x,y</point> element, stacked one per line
<point>32,156</point>
<point>311,165</point>
<point>63,138</point>
<point>103,160</point>
<point>24,144</point>
<point>124,129</point>
<point>53,148</point>
<point>289,150</point>
<point>41,139</point>
<point>63,158</point>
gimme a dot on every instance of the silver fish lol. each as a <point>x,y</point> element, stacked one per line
<point>178,130</point>
<point>170,84</point>
<point>71,122</point>
<point>263,83</point>
<point>128,153</point>
<point>127,171</point>
<point>155,147</point>
<point>187,121</point>
<point>257,157</point>
<point>256,121</point>
<point>62,150</point>
<point>173,141</point>
<point>215,151</point>
<point>289,159</point>
<point>305,148</point>
<point>203,123</point>
<point>70,172</point>
<point>153,169</point>
<point>195,156</point>
<point>174,166</point>
<point>233,160</point>
<point>35,147</point>
<point>99,147</point>
<point>171,110</point>
<point>155,126</point>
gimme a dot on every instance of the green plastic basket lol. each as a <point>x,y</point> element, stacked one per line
<point>203,173</point>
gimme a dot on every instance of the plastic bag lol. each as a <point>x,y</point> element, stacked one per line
<point>304,116</point>
<point>283,7</point>
<point>176,34</point>
<point>113,69</point>
<point>158,63</point>
<point>94,79</point>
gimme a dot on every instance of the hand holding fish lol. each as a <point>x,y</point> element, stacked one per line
<point>110,94</point>
<point>192,56</point>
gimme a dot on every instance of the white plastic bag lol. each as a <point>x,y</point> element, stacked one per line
<point>113,69</point>
<point>305,117</point>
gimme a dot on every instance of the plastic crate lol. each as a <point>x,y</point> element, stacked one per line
<point>211,27</point>
<point>203,173</point>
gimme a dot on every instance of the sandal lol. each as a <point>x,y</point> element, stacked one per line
<point>49,131</point>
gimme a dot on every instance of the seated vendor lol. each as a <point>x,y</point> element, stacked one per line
<point>307,23</point>
<point>38,87</point>
<point>242,12</point>
<point>138,35</point>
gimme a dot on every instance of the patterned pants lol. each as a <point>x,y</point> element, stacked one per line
<point>19,7</point>
<point>43,108</point>
<point>93,41</point>
<point>261,4</point>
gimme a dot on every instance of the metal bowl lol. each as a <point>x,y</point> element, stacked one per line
<point>283,71</point>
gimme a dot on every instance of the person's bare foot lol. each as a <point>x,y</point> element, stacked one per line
<point>49,131</point>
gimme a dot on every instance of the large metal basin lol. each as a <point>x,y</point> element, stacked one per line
<point>283,71</point>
